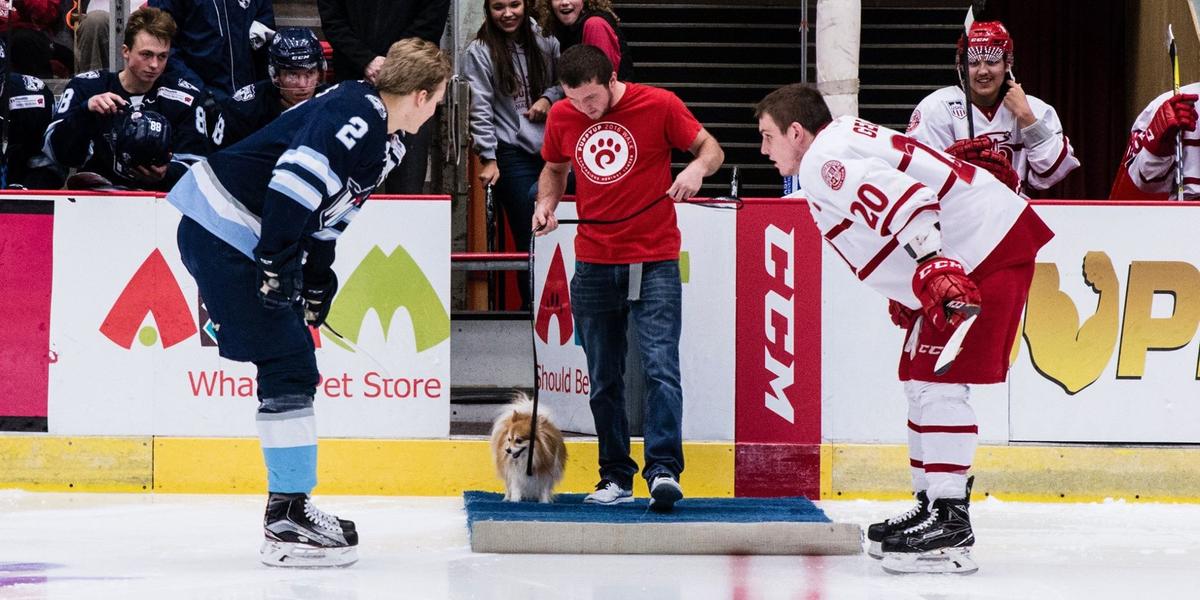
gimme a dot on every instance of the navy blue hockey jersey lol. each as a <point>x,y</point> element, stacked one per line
<point>302,178</point>
<point>213,43</point>
<point>81,138</point>
<point>30,106</point>
<point>248,110</point>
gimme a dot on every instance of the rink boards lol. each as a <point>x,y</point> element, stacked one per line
<point>111,381</point>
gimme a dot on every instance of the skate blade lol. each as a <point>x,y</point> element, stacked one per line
<point>301,556</point>
<point>875,550</point>
<point>956,561</point>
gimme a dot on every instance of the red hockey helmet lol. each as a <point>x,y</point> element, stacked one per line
<point>987,39</point>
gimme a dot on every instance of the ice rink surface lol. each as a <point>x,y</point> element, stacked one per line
<point>174,547</point>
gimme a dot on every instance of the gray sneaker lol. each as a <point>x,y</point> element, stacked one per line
<point>664,493</point>
<point>608,493</point>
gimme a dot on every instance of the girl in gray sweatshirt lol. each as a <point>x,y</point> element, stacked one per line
<point>511,69</point>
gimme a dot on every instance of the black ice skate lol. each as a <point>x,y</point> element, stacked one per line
<point>298,534</point>
<point>878,531</point>
<point>939,544</point>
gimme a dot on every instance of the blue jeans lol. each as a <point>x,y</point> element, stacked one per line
<point>600,305</point>
<point>519,171</point>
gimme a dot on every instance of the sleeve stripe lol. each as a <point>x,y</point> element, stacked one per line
<point>314,162</point>
<point>288,184</point>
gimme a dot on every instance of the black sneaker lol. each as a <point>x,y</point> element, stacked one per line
<point>878,531</point>
<point>664,492</point>
<point>298,534</point>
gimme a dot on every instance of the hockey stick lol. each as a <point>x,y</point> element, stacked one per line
<point>964,70</point>
<point>1178,134</point>
<point>954,345</point>
<point>733,200</point>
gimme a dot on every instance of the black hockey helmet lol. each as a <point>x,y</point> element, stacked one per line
<point>142,139</point>
<point>295,48</point>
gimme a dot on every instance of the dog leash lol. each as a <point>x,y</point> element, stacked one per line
<point>730,202</point>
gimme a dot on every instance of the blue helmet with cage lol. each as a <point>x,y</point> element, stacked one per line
<point>295,48</point>
<point>142,139</point>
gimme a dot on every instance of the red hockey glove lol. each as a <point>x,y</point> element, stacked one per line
<point>997,164</point>
<point>902,315</point>
<point>1176,114</point>
<point>969,148</point>
<point>947,295</point>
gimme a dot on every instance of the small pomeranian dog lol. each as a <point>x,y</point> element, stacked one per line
<point>510,448</point>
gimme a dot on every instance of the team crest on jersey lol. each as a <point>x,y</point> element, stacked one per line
<point>244,94</point>
<point>378,104</point>
<point>834,174</point>
<point>957,109</point>
<point>187,85</point>
<point>89,75</point>
<point>606,152</point>
<point>244,4</point>
<point>33,84</point>
<point>914,121</point>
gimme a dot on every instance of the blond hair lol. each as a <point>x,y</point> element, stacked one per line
<point>549,22</point>
<point>413,64</point>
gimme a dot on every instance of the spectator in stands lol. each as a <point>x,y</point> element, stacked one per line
<point>1148,168</point>
<point>296,64</point>
<point>1019,138</point>
<point>510,67</point>
<point>590,22</point>
<point>216,41</point>
<point>619,137</point>
<point>96,102</point>
<point>91,35</point>
<point>27,106</point>
<point>31,26</point>
<point>360,32</point>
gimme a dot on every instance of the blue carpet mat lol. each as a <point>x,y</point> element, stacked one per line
<point>490,506</point>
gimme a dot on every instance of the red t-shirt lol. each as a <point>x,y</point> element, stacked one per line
<point>622,163</point>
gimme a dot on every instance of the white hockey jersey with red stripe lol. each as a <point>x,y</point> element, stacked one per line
<point>1041,154</point>
<point>1156,174</point>
<point>871,190</point>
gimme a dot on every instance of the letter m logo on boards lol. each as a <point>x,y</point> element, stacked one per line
<point>386,283</point>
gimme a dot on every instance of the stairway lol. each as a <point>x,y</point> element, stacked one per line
<point>906,53</point>
<point>675,46</point>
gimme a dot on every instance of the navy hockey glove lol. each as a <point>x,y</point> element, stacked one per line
<point>318,299</point>
<point>279,277</point>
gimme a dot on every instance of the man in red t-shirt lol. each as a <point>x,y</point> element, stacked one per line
<point>618,138</point>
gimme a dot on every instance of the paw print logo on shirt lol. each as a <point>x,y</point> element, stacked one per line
<point>606,152</point>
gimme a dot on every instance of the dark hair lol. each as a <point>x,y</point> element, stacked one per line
<point>536,69</point>
<point>795,103</point>
<point>582,64</point>
<point>549,20</point>
<point>153,21</point>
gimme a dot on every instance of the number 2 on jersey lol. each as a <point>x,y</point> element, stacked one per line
<point>351,132</point>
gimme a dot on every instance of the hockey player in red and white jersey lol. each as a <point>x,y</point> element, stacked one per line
<point>1024,130</point>
<point>1149,161</point>
<point>942,240</point>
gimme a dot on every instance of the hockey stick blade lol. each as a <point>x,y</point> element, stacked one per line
<point>954,345</point>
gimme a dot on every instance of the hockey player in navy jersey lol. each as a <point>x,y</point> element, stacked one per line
<point>261,219</point>
<point>27,105</point>
<point>93,105</point>
<point>296,63</point>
